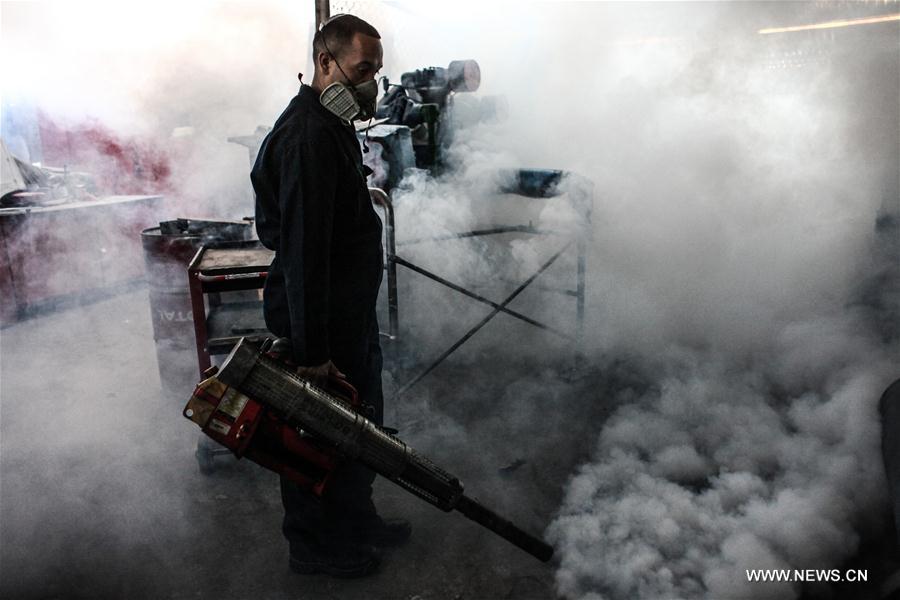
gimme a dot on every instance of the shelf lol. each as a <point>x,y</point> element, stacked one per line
<point>229,322</point>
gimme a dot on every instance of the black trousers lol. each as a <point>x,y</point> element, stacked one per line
<point>311,522</point>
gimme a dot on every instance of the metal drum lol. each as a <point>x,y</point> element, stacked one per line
<point>167,251</point>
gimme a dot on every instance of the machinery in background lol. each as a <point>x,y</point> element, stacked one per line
<point>420,100</point>
<point>23,184</point>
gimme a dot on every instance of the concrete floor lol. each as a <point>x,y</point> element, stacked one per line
<point>102,497</point>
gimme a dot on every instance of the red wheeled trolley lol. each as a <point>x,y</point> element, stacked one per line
<point>225,282</point>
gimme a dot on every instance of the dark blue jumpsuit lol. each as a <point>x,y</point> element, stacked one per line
<point>313,209</point>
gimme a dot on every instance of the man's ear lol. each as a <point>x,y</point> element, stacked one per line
<point>323,62</point>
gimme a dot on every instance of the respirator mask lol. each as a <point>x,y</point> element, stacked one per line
<point>350,102</point>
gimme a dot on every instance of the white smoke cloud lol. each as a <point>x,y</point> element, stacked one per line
<point>712,474</point>
<point>733,232</point>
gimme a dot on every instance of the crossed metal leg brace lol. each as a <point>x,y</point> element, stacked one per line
<point>498,308</point>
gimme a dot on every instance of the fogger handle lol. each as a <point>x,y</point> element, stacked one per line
<point>505,529</point>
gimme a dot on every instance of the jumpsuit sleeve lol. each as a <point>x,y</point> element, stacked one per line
<point>268,212</point>
<point>306,200</point>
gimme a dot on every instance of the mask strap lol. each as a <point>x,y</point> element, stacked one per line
<point>334,58</point>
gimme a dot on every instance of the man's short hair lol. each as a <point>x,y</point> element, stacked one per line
<point>336,34</point>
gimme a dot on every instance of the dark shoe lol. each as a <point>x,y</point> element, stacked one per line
<point>343,561</point>
<point>385,532</point>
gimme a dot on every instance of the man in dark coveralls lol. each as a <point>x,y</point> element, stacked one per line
<point>313,209</point>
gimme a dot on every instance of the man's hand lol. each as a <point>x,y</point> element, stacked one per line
<point>321,373</point>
